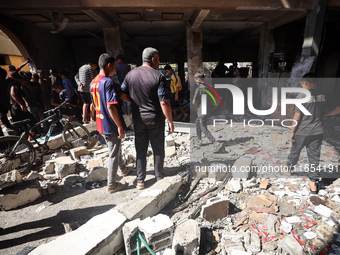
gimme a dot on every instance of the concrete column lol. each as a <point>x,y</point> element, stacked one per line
<point>267,46</point>
<point>314,30</point>
<point>113,40</point>
<point>194,53</point>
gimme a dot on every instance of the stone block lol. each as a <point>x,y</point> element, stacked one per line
<point>95,163</point>
<point>216,210</point>
<point>186,239</point>
<point>20,194</point>
<point>64,166</point>
<point>170,151</point>
<point>97,174</point>
<point>240,166</point>
<point>252,242</point>
<point>101,235</point>
<point>49,167</point>
<point>9,179</point>
<point>156,231</point>
<point>79,151</point>
<point>264,184</point>
<point>169,141</point>
<point>217,172</point>
<point>234,185</point>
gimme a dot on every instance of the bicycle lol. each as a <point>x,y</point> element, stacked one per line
<point>16,152</point>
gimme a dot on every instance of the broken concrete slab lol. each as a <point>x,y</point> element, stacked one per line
<point>170,151</point>
<point>9,179</point>
<point>97,174</point>
<point>78,151</point>
<point>234,185</point>
<point>64,166</point>
<point>240,166</point>
<point>142,207</point>
<point>20,194</point>
<point>95,163</point>
<point>157,231</point>
<point>101,235</point>
<point>215,210</point>
<point>290,245</point>
<point>264,184</point>
<point>186,238</point>
<point>169,141</point>
<point>217,172</point>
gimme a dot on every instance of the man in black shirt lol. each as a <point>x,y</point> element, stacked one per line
<point>309,129</point>
<point>18,102</point>
<point>149,100</point>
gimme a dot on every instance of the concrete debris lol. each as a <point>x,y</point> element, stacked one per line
<point>10,179</point>
<point>186,238</point>
<point>234,185</point>
<point>97,174</point>
<point>20,194</point>
<point>157,231</point>
<point>215,210</point>
<point>78,151</point>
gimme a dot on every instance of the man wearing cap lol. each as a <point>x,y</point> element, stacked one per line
<point>83,78</point>
<point>149,100</point>
<point>122,69</point>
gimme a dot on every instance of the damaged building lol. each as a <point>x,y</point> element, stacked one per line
<point>207,204</point>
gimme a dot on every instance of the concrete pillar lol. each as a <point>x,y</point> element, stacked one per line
<point>314,30</point>
<point>194,52</point>
<point>266,47</point>
<point>113,40</point>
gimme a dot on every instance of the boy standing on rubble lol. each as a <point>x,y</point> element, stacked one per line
<point>201,121</point>
<point>309,130</point>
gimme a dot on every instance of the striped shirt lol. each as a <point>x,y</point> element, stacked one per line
<point>84,76</point>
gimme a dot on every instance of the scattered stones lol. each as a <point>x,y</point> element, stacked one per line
<point>9,179</point>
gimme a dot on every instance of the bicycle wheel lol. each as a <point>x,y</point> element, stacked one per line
<point>21,159</point>
<point>76,135</point>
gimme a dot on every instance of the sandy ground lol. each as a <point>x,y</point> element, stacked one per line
<point>25,227</point>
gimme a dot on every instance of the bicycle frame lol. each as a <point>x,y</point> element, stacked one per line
<point>56,117</point>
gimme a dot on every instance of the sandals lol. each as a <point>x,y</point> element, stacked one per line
<point>127,170</point>
<point>119,186</point>
<point>139,185</point>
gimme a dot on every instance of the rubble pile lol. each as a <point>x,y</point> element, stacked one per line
<point>79,168</point>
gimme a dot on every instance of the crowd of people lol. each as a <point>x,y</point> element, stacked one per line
<point>101,97</point>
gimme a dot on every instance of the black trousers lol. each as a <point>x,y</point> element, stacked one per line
<point>155,135</point>
<point>313,145</point>
<point>3,116</point>
<point>201,126</point>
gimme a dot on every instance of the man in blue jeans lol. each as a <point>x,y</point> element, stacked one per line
<point>108,119</point>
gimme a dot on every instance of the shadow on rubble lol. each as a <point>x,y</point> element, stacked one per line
<point>239,140</point>
<point>52,225</point>
<point>333,246</point>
